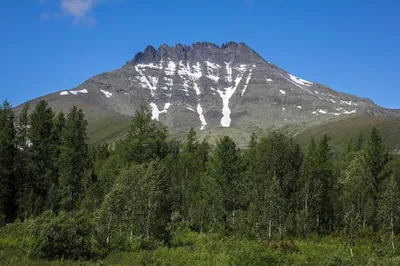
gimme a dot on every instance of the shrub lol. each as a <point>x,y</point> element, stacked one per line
<point>61,236</point>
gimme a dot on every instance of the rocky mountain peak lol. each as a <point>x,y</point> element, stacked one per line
<point>206,86</point>
<point>198,51</point>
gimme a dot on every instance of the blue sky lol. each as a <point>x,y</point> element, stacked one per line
<point>350,45</point>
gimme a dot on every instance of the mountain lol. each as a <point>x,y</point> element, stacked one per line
<point>207,86</point>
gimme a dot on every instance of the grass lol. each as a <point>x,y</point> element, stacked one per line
<point>200,249</point>
<point>343,130</point>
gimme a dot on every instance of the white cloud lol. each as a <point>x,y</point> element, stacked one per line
<point>78,10</point>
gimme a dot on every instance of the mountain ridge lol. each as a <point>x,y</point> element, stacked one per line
<point>207,86</point>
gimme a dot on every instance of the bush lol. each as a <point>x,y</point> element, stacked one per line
<point>61,236</point>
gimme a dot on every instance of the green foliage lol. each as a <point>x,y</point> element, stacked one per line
<point>145,141</point>
<point>8,151</point>
<point>136,207</point>
<point>73,159</point>
<point>61,236</point>
<point>167,201</point>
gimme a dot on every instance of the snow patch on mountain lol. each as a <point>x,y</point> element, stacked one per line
<point>228,72</point>
<point>156,113</point>
<point>171,67</point>
<point>225,96</point>
<point>300,81</point>
<point>212,71</point>
<point>247,80</point>
<point>192,73</point>
<point>201,117</point>
<point>149,83</point>
<point>84,91</point>
<point>107,93</point>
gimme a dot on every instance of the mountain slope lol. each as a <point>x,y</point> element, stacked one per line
<point>343,130</point>
<point>206,86</point>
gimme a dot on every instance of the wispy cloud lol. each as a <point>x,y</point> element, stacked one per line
<point>249,3</point>
<point>77,10</point>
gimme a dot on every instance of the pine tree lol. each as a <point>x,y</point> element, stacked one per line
<point>318,188</point>
<point>376,155</point>
<point>73,159</point>
<point>23,162</point>
<point>225,167</point>
<point>8,151</point>
<point>42,158</point>
<point>145,140</point>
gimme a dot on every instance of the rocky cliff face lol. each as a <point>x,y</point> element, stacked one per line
<point>207,86</point>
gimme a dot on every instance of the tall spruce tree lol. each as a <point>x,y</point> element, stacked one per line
<point>145,140</point>
<point>42,155</point>
<point>8,151</point>
<point>377,157</point>
<point>73,159</point>
<point>318,186</point>
<point>23,162</point>
<point>225,167</point>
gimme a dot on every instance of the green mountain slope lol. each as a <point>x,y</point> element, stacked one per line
<point>350,128</point>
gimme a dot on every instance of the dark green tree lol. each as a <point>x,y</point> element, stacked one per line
<point>73,159</point>
<point>377,157</point>
<point>23,159</point>
<point>8,152</point>
<point>225,166</point>
<point>42,159</point>
<point>145,140</point>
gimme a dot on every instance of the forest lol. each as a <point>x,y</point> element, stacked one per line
<point>152,199</point>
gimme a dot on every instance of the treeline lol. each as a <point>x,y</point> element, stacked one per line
<point>139,192</point>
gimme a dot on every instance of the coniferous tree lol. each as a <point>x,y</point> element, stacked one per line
<point>23,161</point>
<point>318,186</point>
<point>73,159</point>
<point>145,140</point>
<point>42,158</point>
<point>225,167</point>
<point>376,155</point>
<point>8,151</point>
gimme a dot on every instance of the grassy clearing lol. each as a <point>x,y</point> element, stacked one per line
<point>200,249</point>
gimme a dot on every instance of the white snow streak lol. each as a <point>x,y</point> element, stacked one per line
<point>350,112</point>
<point>107,93</point>
<point>170,70</point>
<point>247,80</point>
<point>201,116</point>
<point>322,111</point>
<point>241,68</point>
<point>151,65</point>
<point>269,80</point>
<point>300,81</point>
<point>64,93</point>
<point>156,113</point>
<point>346,102</point>
<point>299,107</point>
<point>76,92</point>
<point>145,82</point>
<point>212,71</point>
<point>192,75</point>
<point>226,95</point>
<point>283,92</point>
<point>229,72</point>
